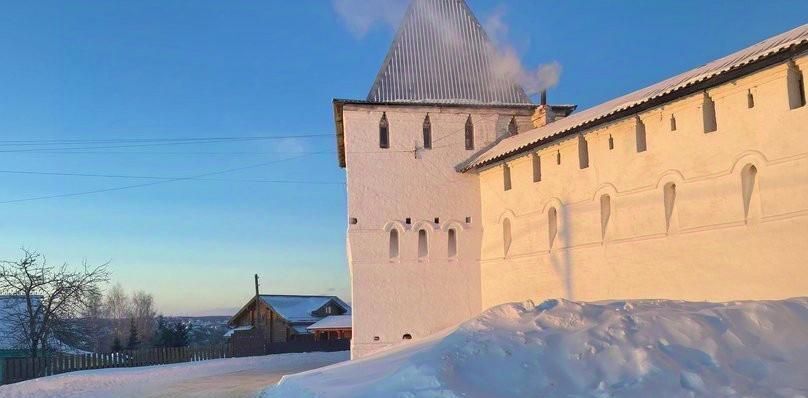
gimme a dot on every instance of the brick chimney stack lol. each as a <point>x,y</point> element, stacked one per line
<point>543,113</point>
<point>542,116</point>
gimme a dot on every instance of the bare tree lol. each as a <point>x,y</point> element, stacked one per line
<point>143,314</point>
<point>117,305</point>
<point>93,322</point>
<point>52,295</point>
<point>118,309</point>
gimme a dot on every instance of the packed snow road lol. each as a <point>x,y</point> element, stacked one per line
<point>231,378</point>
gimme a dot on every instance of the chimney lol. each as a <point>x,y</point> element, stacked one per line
<point>542,116</point>
<point>256,286</point>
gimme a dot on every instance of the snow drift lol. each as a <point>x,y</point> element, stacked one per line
<point>644,348</point>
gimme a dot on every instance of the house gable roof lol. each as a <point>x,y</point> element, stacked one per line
<point>441,54</point>
<point>760,55</point>
<point>295,308</point>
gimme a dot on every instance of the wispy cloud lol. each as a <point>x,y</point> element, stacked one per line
<point>289,145</point>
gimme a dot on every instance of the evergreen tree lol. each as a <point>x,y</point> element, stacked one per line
<point>116,345</point>
<point>133,343</point>
<point>180,337</point>
<point>171,334</point>
<point>163,335</point>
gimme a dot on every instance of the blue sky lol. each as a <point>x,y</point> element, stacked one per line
<point>98,70</point>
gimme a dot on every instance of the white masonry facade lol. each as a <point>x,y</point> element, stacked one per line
<point>462,194</point>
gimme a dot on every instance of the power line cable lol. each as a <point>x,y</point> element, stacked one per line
<point>154,144</point>
<point>63,152</point>
<point>157,153</point>
<point>139,177</point>
<point>154,140</point>
<point>120,188</point>
<point>447,135</point>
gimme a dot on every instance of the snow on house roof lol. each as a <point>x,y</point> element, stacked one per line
<point>237,329</point>
<point>441,54</point>
<point>332,322</point>
<point>674,86</point>
<point>297,309</point>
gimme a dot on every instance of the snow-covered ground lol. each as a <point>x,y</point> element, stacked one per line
<point>232,378</point>
<point>559,348</point>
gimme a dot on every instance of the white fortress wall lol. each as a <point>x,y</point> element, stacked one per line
<point>718,238</point>
<point>412,294</point>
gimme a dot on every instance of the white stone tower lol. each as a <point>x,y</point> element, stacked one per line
<point>414,233</point>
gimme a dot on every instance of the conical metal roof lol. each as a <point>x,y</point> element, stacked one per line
<point>441,54</point>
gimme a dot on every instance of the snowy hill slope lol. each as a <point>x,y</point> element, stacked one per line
<point>649,348</point>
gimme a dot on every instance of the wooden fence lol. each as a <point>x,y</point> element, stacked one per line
<point>18,369</point>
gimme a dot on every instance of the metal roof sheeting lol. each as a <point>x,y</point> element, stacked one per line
<point>441,54</point>
<point>757,52</point>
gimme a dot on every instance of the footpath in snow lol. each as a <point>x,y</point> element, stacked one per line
<point>231,378</point>
<point>648,348</point>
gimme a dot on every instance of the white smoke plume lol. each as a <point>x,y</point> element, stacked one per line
<point>360,16</point>
<point>508,63</point>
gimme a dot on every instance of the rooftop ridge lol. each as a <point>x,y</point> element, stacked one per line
<point>665,90</point>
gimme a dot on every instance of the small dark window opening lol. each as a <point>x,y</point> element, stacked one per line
<point>469,134</point>
<point>506,177</point>
<point>427,133</point>
<point>708,113</point>
<point>611,142</point>
<point>394,249</point>
<point>536,168</point>
<point>552,225</point>
<point>640,133</point>
<point>513,129</point>
<point>375,338</point>
<point>748,180</point>
<point>452,243</point>
<point>353,221</point>
<point>796,87</point>
<point>406,336</point>
<point>583,153</point>
<point>437,220</point>
<point>506,236</point>
<point>468,220</point>
<point>669,193</point>
<point>673,123</point>
<point>605,214</point>
<point>750,100</point>
<point>558,157</point>
<point>384,132</point>
<point>408,221</point>
<point>423,244</point>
